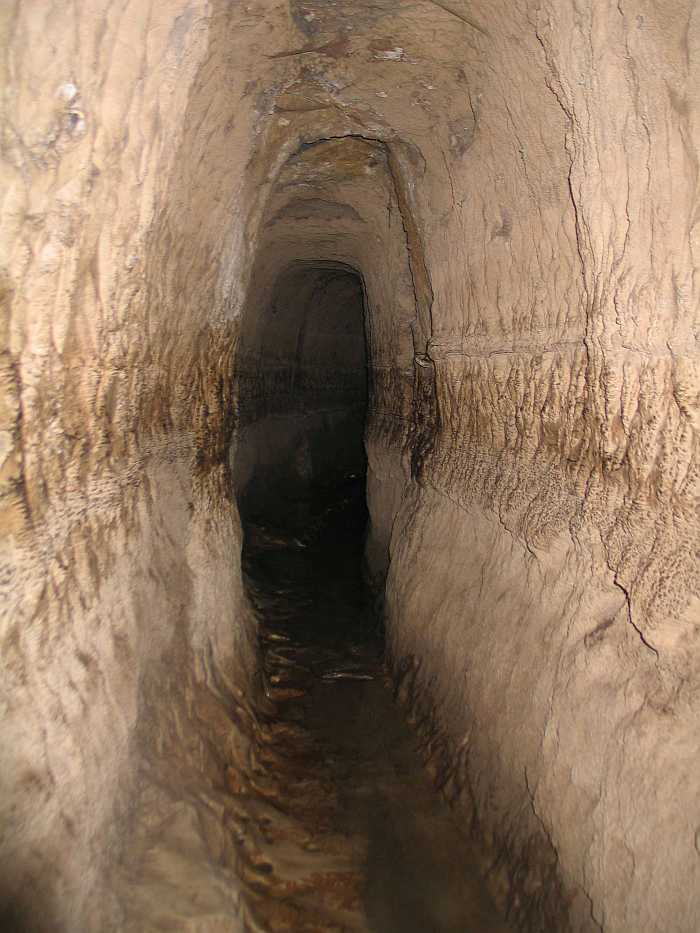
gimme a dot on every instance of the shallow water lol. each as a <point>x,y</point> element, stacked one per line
<point>358,838</point>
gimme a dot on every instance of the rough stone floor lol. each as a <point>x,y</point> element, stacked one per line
<point>358,838</point>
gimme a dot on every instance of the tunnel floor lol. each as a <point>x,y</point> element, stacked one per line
<point>359,839</point>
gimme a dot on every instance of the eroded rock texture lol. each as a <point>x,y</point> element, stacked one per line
<point>516,184</point>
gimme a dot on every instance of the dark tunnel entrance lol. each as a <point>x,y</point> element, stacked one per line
<point>303,399</point>
<point>300,464</point>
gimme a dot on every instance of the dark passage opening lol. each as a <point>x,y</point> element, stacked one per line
<point>302,403</point>
<point>301,464</point>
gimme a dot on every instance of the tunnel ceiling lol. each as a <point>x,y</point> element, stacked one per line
<point>412,85</point>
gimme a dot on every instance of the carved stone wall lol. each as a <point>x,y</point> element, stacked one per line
<point>517,185</point>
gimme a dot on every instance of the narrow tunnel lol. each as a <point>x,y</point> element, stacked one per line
<point>386,853</point>
<point>349,466</point>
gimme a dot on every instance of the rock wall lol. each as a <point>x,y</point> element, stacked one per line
<point>517,185</point>
<point>122,607</point>
<point>542,596</point>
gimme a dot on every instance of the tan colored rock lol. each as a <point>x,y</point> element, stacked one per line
<point>517,186</point>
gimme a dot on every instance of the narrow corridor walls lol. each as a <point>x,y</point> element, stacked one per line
<point>529,249</point>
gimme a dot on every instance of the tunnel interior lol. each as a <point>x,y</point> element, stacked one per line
<point>300,467</point>
<point>325,350</point>
<point>317,308</point>
<point>302,403</point>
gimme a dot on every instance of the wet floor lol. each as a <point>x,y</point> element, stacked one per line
<point>358,839</point>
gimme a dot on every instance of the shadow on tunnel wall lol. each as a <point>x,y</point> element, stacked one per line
<point>24,912</point>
